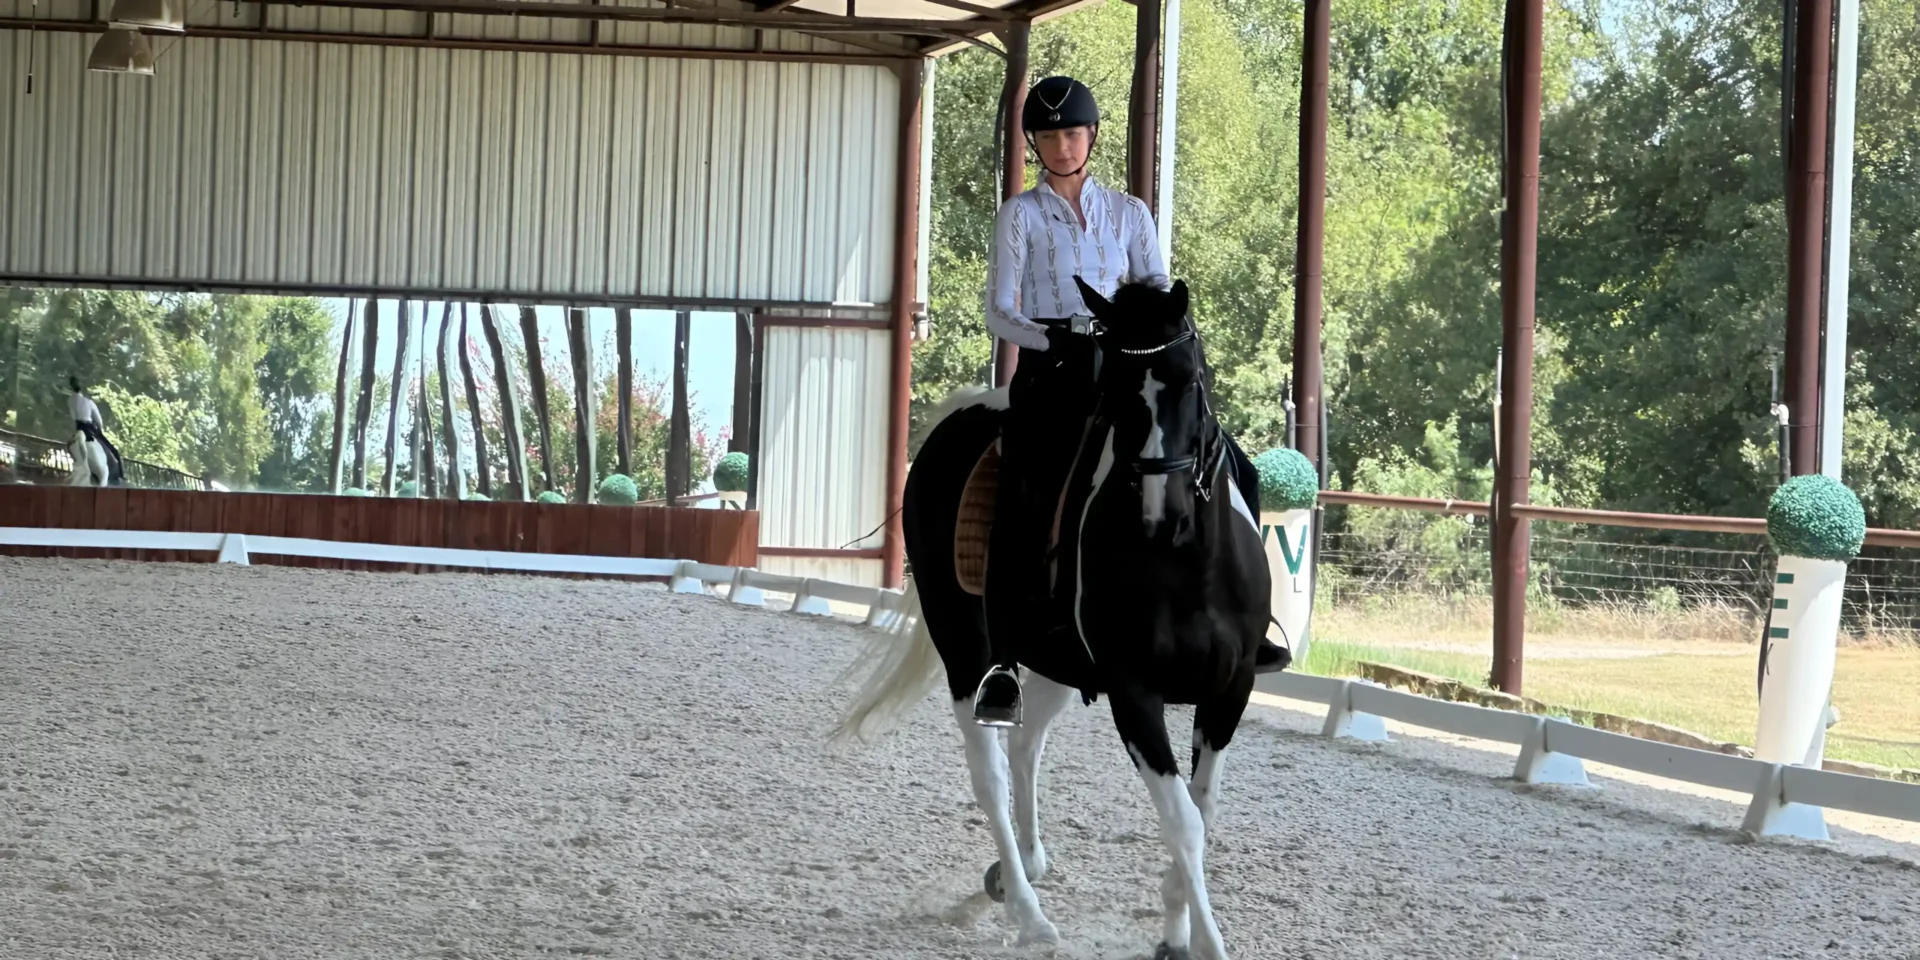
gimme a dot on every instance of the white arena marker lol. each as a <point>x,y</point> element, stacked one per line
<point>684,582</point>
<point>744,595</point>
<point>1769,815</point>
<point>233,549</point>
<point>1344,721</point>
<point>805,602</point>
<point>1537,764</point>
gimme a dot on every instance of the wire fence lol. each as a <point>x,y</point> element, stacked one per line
<point>1584,566</point>
<point>25,458</point>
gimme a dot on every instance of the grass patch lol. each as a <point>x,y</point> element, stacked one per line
<point>1333,658</point>
<point>1712,695</point>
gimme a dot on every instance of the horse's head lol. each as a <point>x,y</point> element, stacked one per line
<point>1153,390</point>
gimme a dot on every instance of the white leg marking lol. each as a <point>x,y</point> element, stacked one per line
<point>1153,487</point>
<point>1044,702</point>
<point>988,765</point>
<point>1184,833</point>
<point>81,475</point>
<point>1205,791</point>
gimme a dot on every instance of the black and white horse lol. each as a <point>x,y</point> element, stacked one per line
<point>1169,594</point>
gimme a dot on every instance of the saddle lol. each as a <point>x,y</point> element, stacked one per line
<point>974,527</point>
<point>970,534</point>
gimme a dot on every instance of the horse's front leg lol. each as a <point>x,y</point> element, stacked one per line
<point>1188,920</point>
<point>987,764</point>
<point>1045,701</point>
<point>1214,724</point>
<point>82,474</point>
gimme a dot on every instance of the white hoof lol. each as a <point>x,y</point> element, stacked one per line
<point>1041,932</point>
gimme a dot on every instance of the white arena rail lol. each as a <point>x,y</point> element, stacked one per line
<point>1551,750</point>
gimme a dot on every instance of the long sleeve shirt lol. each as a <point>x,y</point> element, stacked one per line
<point>83,409</point>
<point>1039,247</point>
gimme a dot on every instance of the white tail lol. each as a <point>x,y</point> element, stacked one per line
<point>905,668</point>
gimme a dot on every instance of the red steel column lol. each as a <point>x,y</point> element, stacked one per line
<point>1310,240</point>
<point>906,234</point>
<point>1013,162</point>
<point>1519,247</point>
<point>1806,230</point>
<point>1143,104</point>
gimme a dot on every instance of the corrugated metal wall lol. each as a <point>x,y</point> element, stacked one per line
<point>823,446</point>
<point>297,166</point>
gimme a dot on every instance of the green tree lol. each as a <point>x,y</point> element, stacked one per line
<point>293,379</point>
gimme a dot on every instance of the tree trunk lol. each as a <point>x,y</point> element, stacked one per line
<point>623,338</point>
<point>679,443</point>
<point>584,473</point>
<point>370,327</point>
<point>537,374</point>
<point>516,451</point>
<point>482,467</point>
<point>395,391</point>
<point>743,412</point>
<point>426,464</point>
<point>336,460</point>
<point>456,479</point>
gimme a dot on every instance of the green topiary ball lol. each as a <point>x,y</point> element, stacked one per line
<point>730,474</point>
<point>1817,517</point>
<point>479,496</point>
<point>549,496</point>
<point>355,492</point>
<point>619,490</point>
<point>1287,480</point>
<point>408,489</point>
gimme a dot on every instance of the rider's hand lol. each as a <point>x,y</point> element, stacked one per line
<point>1064,343</point>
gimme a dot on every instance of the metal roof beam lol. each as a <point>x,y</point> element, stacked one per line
<point>457,43</point>
<point>785,20</point>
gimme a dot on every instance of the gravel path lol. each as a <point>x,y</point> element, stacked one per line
<point>287,763</point>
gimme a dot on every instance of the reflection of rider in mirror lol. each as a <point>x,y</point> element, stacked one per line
<point>86,419</point>
<point>1066,226</point>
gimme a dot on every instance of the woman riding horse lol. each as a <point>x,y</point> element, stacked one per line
<point>1066,226</point>
<point>86,421</point>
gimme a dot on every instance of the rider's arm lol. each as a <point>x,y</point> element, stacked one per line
<point>1005,259</point>
<point>1144,264</point>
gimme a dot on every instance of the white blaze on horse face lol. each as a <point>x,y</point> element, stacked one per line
<point>1153,486</point>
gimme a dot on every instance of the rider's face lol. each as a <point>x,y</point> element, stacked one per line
<point>1064,149</point>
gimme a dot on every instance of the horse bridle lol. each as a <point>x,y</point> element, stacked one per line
<point>1205,463</point>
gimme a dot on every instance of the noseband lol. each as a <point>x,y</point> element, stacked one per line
<point>1204,463</point>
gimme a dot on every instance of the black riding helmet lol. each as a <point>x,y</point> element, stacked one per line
<point>1058,103</point>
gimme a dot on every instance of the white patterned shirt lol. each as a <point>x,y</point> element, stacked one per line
<point>83,409</point>
<point>1039,246</point>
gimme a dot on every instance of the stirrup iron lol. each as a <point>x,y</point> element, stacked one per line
<point>1011,720</point>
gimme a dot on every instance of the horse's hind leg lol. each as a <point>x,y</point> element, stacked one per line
<point>1189,916</point>
<point>1045,701</point>
<point>988,765</point>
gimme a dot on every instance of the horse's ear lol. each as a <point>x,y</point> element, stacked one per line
<point>1178,294</point>
<point>1096,304</point>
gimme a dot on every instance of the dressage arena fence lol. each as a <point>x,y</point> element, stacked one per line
<point>1551,750</point>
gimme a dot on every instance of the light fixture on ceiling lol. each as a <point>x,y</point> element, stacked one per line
<point>122,51</point>
<point>168,15</point>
